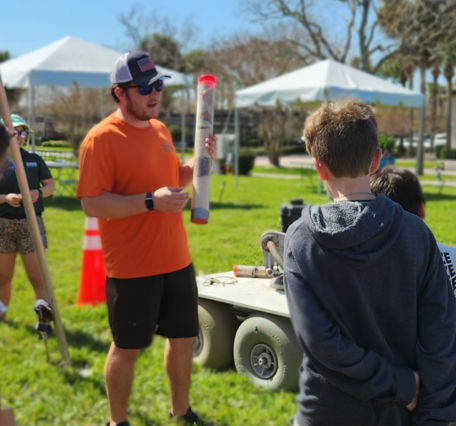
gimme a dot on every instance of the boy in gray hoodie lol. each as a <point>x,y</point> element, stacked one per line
<point>367,292</point>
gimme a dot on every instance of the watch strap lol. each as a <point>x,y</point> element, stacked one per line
<point>149,201</point>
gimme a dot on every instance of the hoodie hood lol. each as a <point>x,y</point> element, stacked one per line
<point>359,232</point>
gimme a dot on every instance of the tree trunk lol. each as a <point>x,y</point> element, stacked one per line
<point>449,74</point>
<point>435,74</point>
<point>272,129</point>
<point>448,143</point>
<point>420,150</point>
<point>412,113</point>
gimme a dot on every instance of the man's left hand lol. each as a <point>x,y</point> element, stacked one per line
<point>211,146</point>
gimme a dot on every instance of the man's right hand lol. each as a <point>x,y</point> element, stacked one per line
<point>412,405</point>
<point>168,199</point>
<point>14,200</point>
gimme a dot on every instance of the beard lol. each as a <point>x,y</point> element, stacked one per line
<point>136,111</point>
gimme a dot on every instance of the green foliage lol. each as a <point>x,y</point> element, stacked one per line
<point>56,144</point>
<point>293,149</point>
<point>401,151</point>
<point>441,152</point>
<point>166,50</point>
<point>246,160</point>
<point>64,149</point>
<point>386,142</point>
<point>195,61</point>
<point>176,132</point>
<point>4,55</point>
<point>254,143</point>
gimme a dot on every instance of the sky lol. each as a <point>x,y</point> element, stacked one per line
<point>26,25</point>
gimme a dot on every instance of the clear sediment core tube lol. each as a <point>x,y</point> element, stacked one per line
<point>202,168</point>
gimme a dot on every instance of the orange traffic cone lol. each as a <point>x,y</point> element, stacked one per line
<point>93,278</point>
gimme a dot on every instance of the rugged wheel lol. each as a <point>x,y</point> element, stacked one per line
<point>213,347</point>
<point>267,352</point>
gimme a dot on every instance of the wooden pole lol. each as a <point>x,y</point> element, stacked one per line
<point>33,224</point>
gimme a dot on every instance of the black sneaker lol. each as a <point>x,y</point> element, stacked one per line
<point>190,418</point>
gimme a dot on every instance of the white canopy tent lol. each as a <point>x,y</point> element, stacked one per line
<point>325,81</point>
<point>68,61</point>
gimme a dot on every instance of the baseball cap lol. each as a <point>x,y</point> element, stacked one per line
<point>135,67</point>
<point>18,121</point>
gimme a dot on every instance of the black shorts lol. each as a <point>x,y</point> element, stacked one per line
<point>164,304</point>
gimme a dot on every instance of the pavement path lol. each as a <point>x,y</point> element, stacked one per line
<point>306,161</point>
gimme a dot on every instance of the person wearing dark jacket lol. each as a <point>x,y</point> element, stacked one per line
<point>367,292</point>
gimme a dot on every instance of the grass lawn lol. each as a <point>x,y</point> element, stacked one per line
<point>426,164</point>
<point>46,394</point>
<point>307,173</point>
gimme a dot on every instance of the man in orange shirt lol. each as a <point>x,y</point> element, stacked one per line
<point>132,181</point>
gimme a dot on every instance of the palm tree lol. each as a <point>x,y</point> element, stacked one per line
<point>435,74</point>
<point>410,68</point>
<point>448,72</point>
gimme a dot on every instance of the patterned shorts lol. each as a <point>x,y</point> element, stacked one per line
<point>15,236</point>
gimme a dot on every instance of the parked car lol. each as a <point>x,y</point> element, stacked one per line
<point>416,138</point>
<point>440,139</point>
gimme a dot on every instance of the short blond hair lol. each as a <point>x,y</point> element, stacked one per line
<point>343,136</point>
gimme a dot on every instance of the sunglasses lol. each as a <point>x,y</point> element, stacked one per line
<point>8,168</point>
<point>147,90</point>
<point>22,133</point>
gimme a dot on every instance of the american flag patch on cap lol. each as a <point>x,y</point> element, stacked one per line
<point>146,64</point>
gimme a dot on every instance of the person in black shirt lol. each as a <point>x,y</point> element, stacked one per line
<point>14,232</point>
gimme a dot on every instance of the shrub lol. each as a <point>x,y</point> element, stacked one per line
<point>401,151</point>
<point>254,143</point>
<point>386,142</point>
<point>440,152</point>
<point>56,144</point>
<point>293,149</point>
<point>246,161</point>
<point>176,133</point>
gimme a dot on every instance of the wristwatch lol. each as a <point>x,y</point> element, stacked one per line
<point>149,201</point>
<point>40,195</point>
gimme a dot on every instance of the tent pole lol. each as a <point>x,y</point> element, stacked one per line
<point>183,142</point>
<point>420,153</point>
<point>29,105</point>
<point>102,104</point>
<point>236,144</point>
<point>33,225</point>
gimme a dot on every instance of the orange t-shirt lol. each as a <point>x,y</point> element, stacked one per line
<point>122,159</point>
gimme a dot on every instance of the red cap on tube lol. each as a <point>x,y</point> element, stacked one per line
<point>208,80</point>
<point>235,270</point>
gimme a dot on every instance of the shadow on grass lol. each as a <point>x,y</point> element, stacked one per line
<point>64,203</point>
<point>146,421</point>
<point>18,326</point>
<point>74,378</point>
<point>233,206</point>
<point>71,204</point>
<point>78,339</point>
<point>216,205</point>
<point>439,197</point>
